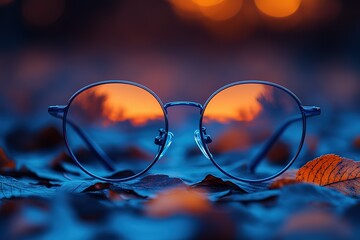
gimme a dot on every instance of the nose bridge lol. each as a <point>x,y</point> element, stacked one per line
<point>183,103</point>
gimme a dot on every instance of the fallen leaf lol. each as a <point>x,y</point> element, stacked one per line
<point>121,174</point>
<point>123,194</point>
<point>251,197</point>
<point>178,200</point>
<point>77,186</point>
<point>312,143</point>
<point>230,140</point>
<point>10,188</point>
<point>19,224</point>
<point>134,152</point>
<point>158,182</point>
<point>47,184</point>
<point>25,172</point>
<point>279,153</point>
<point>97,187</point>
<point>333,172</point>
<point>150,185</point>
<point>62,157</point>
<point>298,197</point>
<point>289,177</point>
<point>22,139</point>
<point>5,162</point>
<point>88,208</point>
<point>322,224</point>
<point>356,143</point>
<point>215,184</point>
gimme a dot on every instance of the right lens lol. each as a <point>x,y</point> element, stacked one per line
<point>111,128</point>
<point>256,129</point>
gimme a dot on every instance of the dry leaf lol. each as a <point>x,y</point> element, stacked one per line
<point>22,139</point>
<point>231,139</point>
<point>5,161</point>
<point>356,143</point>
<point>313,222</point>
<point>178,200</point>
<point>284,179</point>
<point>215,184</point>
<point>12,188</point>
<point>312,143</point>
<point>279,153</point>
<point>121,195</point>
<point>334,172</point>
<point>97,187</point>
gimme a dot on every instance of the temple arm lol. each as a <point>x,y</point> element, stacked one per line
<point>58,111</point>
<point>309,112</point>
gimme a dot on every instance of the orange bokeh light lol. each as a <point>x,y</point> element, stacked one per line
<point>278,8</point>
<point>239,103</point>
<point>216,10</point>
<point>222,11</point>
<point>124,102</point>
<point>207,3</point>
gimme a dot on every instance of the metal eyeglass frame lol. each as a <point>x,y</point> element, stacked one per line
<point>201,138</point>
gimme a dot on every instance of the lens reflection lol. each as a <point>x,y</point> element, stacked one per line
<point>256,129</point>
<point>111,129</point>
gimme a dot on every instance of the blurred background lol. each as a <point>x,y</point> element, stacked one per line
<point>182,50</point>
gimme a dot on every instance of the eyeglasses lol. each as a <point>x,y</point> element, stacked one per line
<point>251,131</point>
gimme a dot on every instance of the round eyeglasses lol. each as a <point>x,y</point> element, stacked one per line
<point>241,129</point>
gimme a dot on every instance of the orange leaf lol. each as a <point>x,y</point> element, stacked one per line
<point>334,172</point>
<point>5,161</point>
<point>279,153</point>
<point>178,200</point>
<point>284,179</point>
<point>312,221</point>
<point>356,143</point>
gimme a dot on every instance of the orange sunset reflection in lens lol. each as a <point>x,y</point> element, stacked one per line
<point>278,8</point>
<point>122,102</point>
<point>237,103</point>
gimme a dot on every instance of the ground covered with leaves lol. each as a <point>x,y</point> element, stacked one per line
<point>42,196</point>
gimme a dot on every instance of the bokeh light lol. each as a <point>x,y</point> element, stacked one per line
<point>5,2</point>
<point>207,3</point>
<point>42,12</point>
<point>278,8</point>
<point>222,11</point>
<point>215,10</point>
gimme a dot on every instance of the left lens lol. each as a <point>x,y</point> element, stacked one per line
<point>111,128</point>
<point>256,129</point>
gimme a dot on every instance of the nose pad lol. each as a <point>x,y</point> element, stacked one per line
<point>198,141</point>
<point>168,142</point>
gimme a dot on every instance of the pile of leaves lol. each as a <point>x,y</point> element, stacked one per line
<point>318,200</point>
<point>159,204</point>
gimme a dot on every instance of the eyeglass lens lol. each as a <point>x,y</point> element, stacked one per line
<point>256,130</point>
<point>111,128</point>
